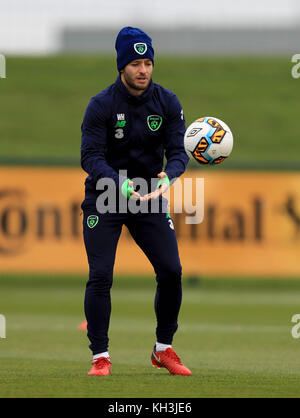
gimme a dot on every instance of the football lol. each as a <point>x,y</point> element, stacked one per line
<point>208,140</point>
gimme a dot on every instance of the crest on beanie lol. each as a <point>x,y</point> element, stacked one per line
<point>140,48</point>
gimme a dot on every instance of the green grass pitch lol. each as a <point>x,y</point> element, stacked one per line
<point>234,335</point>
<point>43,100</point>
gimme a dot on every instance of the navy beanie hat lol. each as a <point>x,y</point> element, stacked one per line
<point>132,44</point>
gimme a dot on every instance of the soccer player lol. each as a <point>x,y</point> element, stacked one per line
<point>132,125</point>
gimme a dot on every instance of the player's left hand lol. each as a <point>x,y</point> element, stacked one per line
<point>158,192</point>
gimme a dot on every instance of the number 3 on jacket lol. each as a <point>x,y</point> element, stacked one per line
<point>119,133</point>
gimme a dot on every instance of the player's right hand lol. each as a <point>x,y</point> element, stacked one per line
<point>133,194</point>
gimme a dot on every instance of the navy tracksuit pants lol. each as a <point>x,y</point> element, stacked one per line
<point>155,235</point>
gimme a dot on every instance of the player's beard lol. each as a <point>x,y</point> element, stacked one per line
<point>131,83</point>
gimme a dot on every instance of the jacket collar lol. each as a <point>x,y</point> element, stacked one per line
<point>131,98</point>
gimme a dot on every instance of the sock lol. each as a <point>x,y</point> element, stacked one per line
<point>105,354</point>
<point>162,347</point>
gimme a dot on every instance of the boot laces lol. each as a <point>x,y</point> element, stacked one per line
<point>101,362</point>
<point>171,353</point>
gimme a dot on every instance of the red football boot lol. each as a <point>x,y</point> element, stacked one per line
<point>101,367</point>
<point>169,359</point>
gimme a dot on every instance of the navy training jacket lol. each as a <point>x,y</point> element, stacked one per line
<point>121,131</point>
